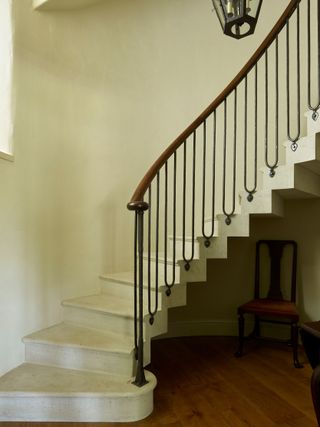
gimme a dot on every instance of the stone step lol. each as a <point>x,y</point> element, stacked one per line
<point>74,347</point>
<point>34,392</point>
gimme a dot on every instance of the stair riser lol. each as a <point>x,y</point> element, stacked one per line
<point>295,180</point>
<point>106,321</point>
<point>306,151</point>
<point>176,299</point>
<point>313,126</point>
<point>76,409</point>
<point>80,358</point>
<point>264,204</point>
<point>98,320</point>
<point>239,226</point>
<point>196,273</point>
<point>218,249</point>
<point>159,327</point>
<point>122,290</point>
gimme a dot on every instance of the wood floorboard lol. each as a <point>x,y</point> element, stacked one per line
<point>201,384</point>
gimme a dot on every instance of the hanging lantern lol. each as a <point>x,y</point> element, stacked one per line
<point>238,18</point>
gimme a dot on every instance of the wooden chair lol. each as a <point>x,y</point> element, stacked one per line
<point>274,308</point>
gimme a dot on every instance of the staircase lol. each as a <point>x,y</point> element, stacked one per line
<point>83,369</point>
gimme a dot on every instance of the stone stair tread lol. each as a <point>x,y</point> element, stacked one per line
<point>28,380</point>
<point>68,335</point>
<point>125,277</point>
<point>103,303</point>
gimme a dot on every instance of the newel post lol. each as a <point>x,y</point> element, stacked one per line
<point>139,208</point>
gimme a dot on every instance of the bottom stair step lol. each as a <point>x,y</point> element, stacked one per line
<point>41,393</point>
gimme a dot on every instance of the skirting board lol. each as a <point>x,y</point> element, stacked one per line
<point>222,327</point>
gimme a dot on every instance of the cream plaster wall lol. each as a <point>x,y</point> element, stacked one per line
<point>98,94</point>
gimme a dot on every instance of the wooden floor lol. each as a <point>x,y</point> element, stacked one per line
<point>201,383</point>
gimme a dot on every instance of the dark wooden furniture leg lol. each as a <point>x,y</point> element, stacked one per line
<point>239,353</point>
<point>294,340</point>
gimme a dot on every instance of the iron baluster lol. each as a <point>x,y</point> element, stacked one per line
<point>135,286</point>
<point>204,161</point>
<point>170,285</point>
<point>188,260</point>
<point>276,118</point>
<point>149,244</point>
<point>231,212</point>
<point>214,139</point>
<point>140,379</point>
<point>225,104</point>
<point>295,138</point>
<point>314,108</point>
<point>245,128</point>
<point>156,303</point>
<point>272,166</point>
<point>254,187</point>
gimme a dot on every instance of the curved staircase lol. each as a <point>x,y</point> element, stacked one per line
<point>83,368</point>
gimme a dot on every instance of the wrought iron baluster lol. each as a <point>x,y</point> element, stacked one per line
<point>209,236</point>
<point>149,244</point>
<point>170,285</point>
<point>225,105</point>
<point>231,212</point>
<point>140,379</point>
<point>295,138</point>
<point>254,187</point>
<point>276,118</point>
<point>315,107</point>
<point>272,166</point>
<point>188,260</point>
<point>152,312</point>
<point>204,164</point>
<point>184,197</point>
<point>135,287</point>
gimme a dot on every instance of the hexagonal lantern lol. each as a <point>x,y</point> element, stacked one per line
<point>238,18</point>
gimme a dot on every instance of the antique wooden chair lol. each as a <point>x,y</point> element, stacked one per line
<point>274,308</point>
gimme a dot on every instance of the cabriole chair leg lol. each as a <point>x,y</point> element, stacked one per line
<point>294,340</point>
<point>239,353</point>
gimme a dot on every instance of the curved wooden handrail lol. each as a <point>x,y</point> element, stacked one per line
<point>140,191</point>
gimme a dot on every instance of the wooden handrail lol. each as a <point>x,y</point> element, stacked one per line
<point>140,191</point>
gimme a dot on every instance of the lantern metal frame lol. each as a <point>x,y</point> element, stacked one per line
<point>235,14</point>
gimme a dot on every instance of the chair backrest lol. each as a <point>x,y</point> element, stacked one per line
<point>276,248</point>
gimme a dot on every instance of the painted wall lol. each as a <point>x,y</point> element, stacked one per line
<point>98,94</point>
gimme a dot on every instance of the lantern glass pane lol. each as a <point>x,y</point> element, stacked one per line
<point>219,11</point>
<point>252,7</point>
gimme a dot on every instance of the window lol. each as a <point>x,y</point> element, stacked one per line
<point>5,79</point>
